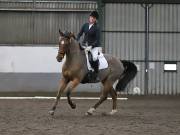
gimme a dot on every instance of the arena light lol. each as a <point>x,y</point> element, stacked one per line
<point>170,66</point>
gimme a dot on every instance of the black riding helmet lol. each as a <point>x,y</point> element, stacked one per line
<point>94,14</point>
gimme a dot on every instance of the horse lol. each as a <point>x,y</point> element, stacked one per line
<point>75,69</point>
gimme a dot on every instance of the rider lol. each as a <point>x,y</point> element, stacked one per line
<point>91,37</point>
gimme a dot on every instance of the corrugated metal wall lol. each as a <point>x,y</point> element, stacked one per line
<point>50,5</point>
<point>124,17</point>
<point>127,46</point>
<point>122,23</point>
<point>165,17</point>
<point>38,22</point>
<point>165,32</point>
<point>124,37</point>
<point>35,23</point>
<point>164,45</point>
<point>166,83</point>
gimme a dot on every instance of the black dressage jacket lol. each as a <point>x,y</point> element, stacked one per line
<point>91,36</point>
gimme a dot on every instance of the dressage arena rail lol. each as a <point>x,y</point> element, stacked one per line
<point>76,98</point>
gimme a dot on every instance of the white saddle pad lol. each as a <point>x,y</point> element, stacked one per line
<point>102,61</point>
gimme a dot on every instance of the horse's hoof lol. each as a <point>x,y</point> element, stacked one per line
<point>113,112</point>
<point>88,114</point>
<point>90,111</point>
<point>73,106</point>
<point>51,112</point>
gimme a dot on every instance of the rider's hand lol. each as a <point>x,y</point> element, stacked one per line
<point>88,48</point>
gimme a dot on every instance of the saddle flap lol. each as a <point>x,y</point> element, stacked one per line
<point>102,61</point>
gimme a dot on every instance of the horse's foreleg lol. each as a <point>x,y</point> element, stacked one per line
<point>62,86</point>
<point>71,86</point>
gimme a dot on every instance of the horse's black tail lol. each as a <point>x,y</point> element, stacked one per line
<point>128,74</point>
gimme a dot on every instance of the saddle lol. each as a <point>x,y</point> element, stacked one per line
<point>89,77</point>
<point>90,59</point>
<point>94,65</point>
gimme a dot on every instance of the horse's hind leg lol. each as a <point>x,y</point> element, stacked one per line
<point>107,88</point>
<point>114,98</point>
<point>70,87</point>
<point>62,86</point>
<point>101,100</point>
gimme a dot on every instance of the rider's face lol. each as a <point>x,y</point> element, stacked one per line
<point>92,19</point>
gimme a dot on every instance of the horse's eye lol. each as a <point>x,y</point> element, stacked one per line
<point>62,42</point>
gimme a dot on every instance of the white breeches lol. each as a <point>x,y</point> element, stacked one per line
<point>95,52</point>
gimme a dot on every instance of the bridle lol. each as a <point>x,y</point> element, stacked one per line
<point>64,43</point>
<point>62,48</point>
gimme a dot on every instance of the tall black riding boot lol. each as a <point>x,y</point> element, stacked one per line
<point>96,69</point>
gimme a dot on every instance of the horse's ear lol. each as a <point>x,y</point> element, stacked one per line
<point>61,33</point>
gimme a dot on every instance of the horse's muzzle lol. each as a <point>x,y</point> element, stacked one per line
<point>59,59</point>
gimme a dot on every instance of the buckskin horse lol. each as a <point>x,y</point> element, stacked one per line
<point>75,69</point>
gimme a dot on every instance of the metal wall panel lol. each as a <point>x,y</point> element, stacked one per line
<point>164,46</point>
<point>123,29</point>
<point>123,39</point>
<point>127,46</point>
<point>165,23</point>
<point>122,24</point>
<point>16,27</point>
<point>164,83</point>
<point>47,25</point>
<point>47,5</point>
<point>124,17</point>
<point>124,36</point>
<point>165,17</point>
<point>37,26</point>
<point>14,4</point>
<point>177,79</point>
